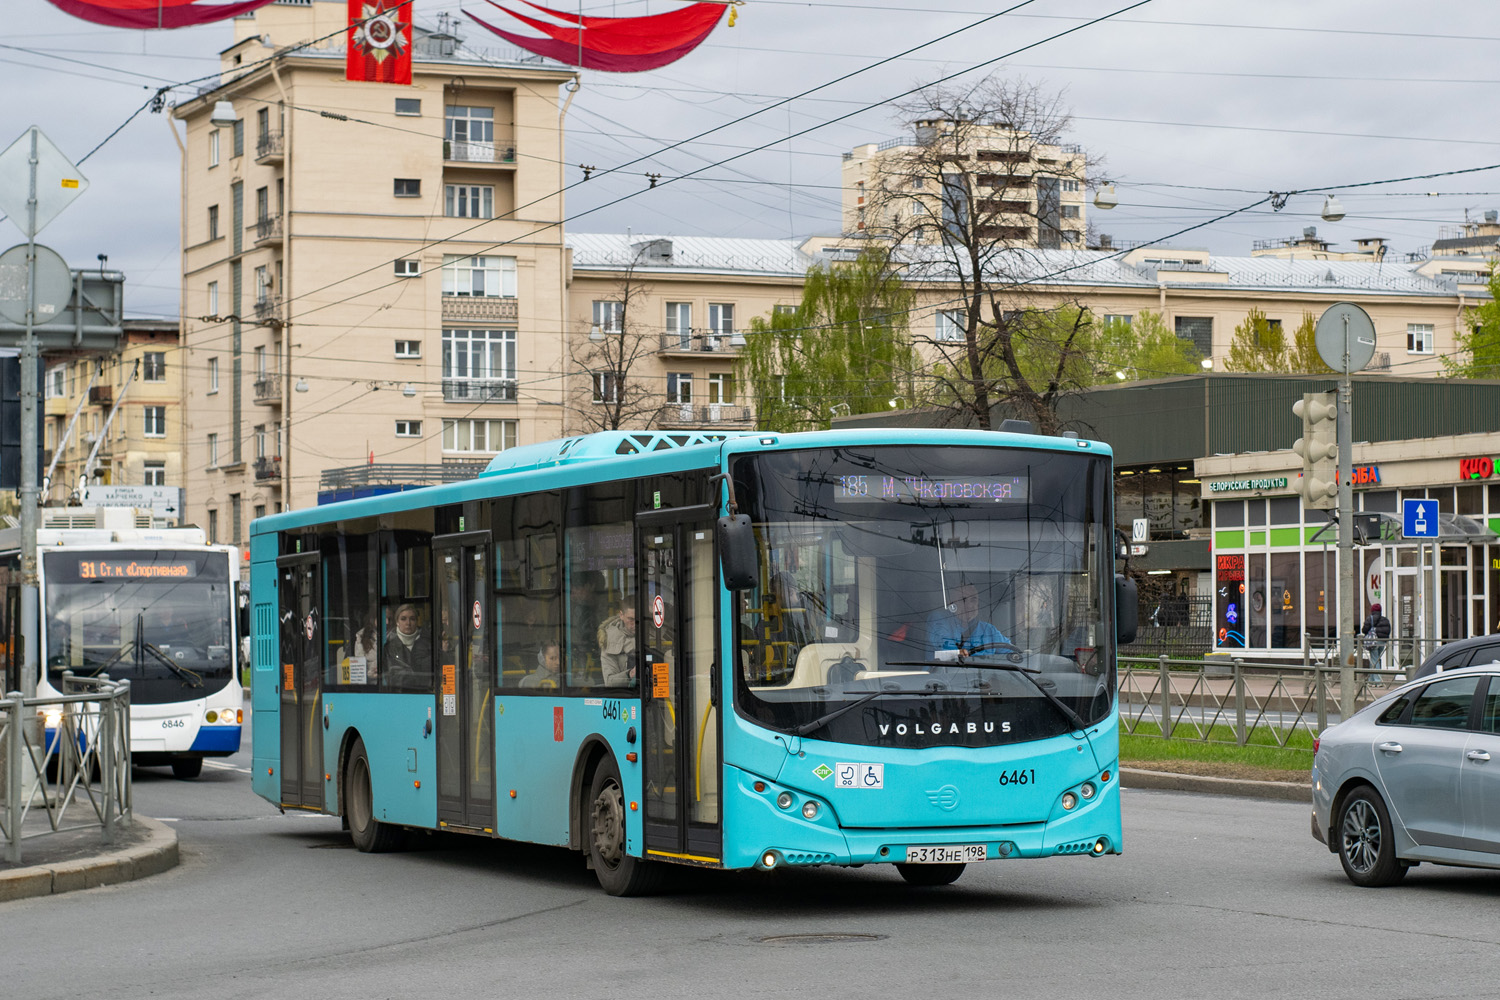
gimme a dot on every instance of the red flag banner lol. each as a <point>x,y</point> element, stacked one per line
<point>154,13</point>
<point>614,44</point>
<point>379,44</point>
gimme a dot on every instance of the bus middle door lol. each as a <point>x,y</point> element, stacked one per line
<point>300,680</point>
<point>680,718</point>
<point>465,682</point>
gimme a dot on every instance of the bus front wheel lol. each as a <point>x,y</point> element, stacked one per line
<point>931,874</point>
<point>187,768</point>
<point>619,874</point>
<point>369,834</point>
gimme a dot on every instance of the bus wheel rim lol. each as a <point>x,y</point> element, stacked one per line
<point>609,825</point>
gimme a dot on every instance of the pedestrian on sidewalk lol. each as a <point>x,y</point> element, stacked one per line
<point>1376,631</point>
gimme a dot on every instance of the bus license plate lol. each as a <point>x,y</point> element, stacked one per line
<point>946,854</point>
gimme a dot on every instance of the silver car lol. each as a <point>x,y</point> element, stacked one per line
<point>1413,777</point>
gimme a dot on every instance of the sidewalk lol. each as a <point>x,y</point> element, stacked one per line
<point>80,859</point>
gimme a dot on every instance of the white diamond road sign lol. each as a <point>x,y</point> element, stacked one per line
<point>1419,518</point>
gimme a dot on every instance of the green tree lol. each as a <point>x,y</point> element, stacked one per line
<point>1144,349</point>
<point>1478,348</point>
<point>1262,345</point>
<point>844,349</point>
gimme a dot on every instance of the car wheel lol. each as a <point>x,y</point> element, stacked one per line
<point>945,874</point>
<point>619,874</point>
<point>1367,844</point>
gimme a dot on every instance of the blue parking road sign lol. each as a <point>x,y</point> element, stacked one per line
<point>1419,518</point>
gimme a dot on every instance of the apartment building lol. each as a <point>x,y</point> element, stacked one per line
<point>115,419</point>
<point>372,275</point>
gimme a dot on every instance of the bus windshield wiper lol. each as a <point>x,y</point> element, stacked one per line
<point>824,720</point>
<point>189,677</point>
<point>989,663</point>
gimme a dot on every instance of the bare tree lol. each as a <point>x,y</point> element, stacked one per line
<point>613,393</point>
<point>985,188</point>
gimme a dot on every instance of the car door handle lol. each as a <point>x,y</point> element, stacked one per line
<point>1389,747</point>
<point>1478,755</point>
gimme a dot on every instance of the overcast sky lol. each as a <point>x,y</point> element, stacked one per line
<point>1196,106</point>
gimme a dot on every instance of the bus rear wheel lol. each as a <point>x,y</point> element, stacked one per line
<point>369,834</point>
<point>619,874</point>
<point>187,768</point>
<point>931,874</point>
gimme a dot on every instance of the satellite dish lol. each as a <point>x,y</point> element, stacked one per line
<point>1345,331</point>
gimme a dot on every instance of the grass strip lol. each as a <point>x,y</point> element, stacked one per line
<point>1146,745</point>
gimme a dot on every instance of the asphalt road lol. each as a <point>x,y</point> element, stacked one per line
<point>1214,897</point>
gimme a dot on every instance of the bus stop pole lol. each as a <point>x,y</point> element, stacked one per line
<point>30,358</point>
<point>1346,588</point>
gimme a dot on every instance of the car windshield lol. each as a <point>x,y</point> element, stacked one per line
<point>913,596</point>
<point>159,619</point>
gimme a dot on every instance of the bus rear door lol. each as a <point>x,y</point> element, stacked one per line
<point>466,682</point>
<point>300,681</point>
<point>680,717</point>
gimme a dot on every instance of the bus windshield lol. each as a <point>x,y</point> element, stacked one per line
<point>159,619</point>
<point>921,596</point>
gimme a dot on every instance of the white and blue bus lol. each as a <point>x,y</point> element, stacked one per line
<point>154,606</point>
<point>737,651</point>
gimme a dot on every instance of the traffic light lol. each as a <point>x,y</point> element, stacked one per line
<point>1318,447</point>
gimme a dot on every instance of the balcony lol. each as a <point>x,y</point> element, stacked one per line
<point>268,229</point>
<point>698,341</point>
<point>268,389</point>
<point>268,311</point>
<point>268,468</point>
<point>500,153</point>
<point>101,395</point>
<point>270,147</point>
<point>726,415</point>
<point>479,309</point>
<point>479,390</point>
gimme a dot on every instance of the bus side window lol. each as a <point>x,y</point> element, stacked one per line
<point>528,533</point>
<point>407,638</point>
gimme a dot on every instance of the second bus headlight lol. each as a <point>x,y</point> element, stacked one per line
<point>810,809</point>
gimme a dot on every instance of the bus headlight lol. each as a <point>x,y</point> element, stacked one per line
<point>1069,800</point>
<point>52,718</point>
<point>810,809</point>
<point>1087,791</point>
<point>784,800</point>
<point>212,716</point>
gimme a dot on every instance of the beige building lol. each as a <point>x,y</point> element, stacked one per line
<point>372,275</point>
<point>123,408</point>
<point>1025,192</point>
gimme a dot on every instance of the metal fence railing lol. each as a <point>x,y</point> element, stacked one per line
<point>65,761</point>
<point>1224,700</point>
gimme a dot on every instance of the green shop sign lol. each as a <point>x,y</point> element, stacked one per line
<point>1226,485</point>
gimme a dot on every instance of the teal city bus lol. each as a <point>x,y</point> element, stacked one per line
<point>736,651</point>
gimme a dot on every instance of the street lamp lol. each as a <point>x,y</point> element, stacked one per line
<point>1105,197</point>
<point>223,115</point>
<point>1332,210</point>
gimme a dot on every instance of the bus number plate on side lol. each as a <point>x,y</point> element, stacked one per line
<point>946,854</point>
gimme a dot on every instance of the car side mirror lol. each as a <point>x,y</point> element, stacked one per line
<point>737,557</point>
<point>1127,610</point>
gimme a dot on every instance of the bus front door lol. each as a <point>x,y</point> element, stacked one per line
<point>680,718</point>
<point>465,682</point>
<point>300,681</point>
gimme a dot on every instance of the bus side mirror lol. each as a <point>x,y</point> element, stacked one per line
<point>737,552</point>
<point>1127,610</point>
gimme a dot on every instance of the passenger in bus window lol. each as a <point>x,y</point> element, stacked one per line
<point>962,628</point>
<point>408,654</point>
<point>367,643</point>
<point>617,648</point>
<point>549,666</point>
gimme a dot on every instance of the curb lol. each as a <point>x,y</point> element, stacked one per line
<point>156,855</point>
<point>1171,781</point>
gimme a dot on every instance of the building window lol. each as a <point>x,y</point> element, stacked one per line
<point>154,474</point>
<point>154,367</point>
<point>262,285</point>
<point>56,382</point>
<point>155,421</point>
<point>606,387</point>
<point>262,122</point>
<point>479,276</point>
<point>259,436</point>
<point>478,435</point>
<point>783,310</point>
<point>213,451</point>
<point>239,137</point>
<point>470,133</point>
<point>721,317</point>
<point>479,365</point>
<point>679,324</point>
<point>950,325</point>
<point>408,106</point>
<point>408,187</point>
<point>213,147</point>
<point>408,348</point>
<point>259,362</point>
<point>1419,338</point>
<point>1070,186</point>
<point>1070,211</point>
<point>1198,329</point>
<point>213,527</point>
<point>609,317</point>
<point>262,204</point>
<point>679,387</point>
<point>213,298</point>
<point>408,428</point>
<point>236,528</point>
<point>1117,319</point>
<point>469,201</point>
<point>408,268</point>
<point>213,224</point>
<point>721,388</point>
